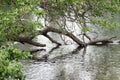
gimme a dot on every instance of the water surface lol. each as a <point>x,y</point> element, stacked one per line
<point>69,62</point>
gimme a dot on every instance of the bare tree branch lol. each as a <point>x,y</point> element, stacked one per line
<point>24,39</point>
<point>73,37</point>
<point>103,41</point>
<point>52,39</point>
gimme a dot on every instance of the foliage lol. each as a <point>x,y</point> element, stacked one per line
<point>12,24</point>
<point>9,65</point>
<point>14,21</point>
<point>98,12</point>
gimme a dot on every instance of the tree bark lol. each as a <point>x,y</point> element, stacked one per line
<point>53,41</point>
<point>103,41</point>
<point>23,39</point>
<point>36,50</point>
<point>72,36</point>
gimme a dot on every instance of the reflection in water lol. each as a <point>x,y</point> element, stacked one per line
<point>104,63</point>
<point>74,63</point>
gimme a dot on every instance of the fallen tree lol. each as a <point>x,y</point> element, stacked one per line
<point>59,12</point>
<point>82,13</point>
<point>26,39</point>
<point>23,20</point>
<point>101,41</point>
<point>45,32</point>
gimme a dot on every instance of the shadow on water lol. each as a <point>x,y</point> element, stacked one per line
<point>75,63</point>
<point>71,62</point>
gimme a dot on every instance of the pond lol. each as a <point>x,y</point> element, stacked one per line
<point>70,62</point>
<point>73,63</point>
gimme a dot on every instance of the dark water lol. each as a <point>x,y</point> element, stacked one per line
<point>69,62</point>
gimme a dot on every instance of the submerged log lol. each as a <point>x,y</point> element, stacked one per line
<point>36,50</point>
<point>102,41</point>
<point>23,39</point>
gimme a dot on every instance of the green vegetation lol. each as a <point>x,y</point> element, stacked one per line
<point>9,65</point>
<point>13,24</point>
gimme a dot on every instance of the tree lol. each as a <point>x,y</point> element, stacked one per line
<point>14,26</point>
<point>83,13</point>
